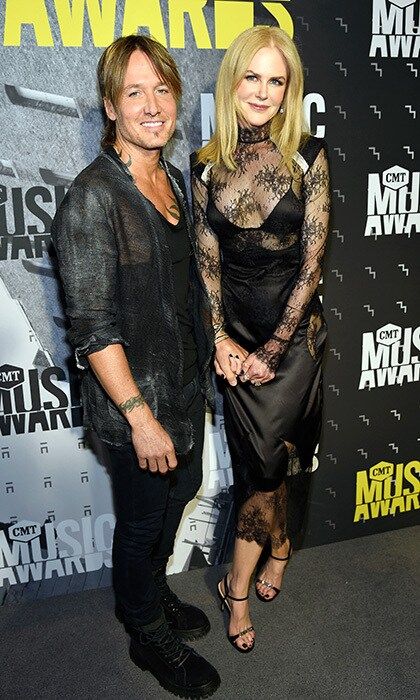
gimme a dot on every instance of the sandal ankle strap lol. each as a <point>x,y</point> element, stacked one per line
<point>232,598</point>
<point>227,594</point>
<point>286,558</point>
<point>280,558</point>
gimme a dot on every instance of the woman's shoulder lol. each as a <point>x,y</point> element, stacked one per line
<point>309,149</point>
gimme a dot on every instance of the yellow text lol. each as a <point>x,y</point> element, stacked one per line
<point>228,18</point>
<point>386,489</point>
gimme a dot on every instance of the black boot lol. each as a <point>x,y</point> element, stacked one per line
<point>188,621</point>
<point>177,667</point>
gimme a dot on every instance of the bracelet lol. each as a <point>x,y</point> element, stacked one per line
<point>278,339</point>
<point>220,338</point>
<point>218,327</point>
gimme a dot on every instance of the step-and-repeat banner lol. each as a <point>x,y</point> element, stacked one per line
<point>361,66</point>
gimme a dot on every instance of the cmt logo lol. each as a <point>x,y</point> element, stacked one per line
<point>395,177</point>
<point>65,548</point>
<point>381,471</point>
<point>33,400</point>
<point>395,25</point>
<point>387,489</point>
<point>10,376</point>
<point>389,334</point>
<point>393,202</point>
<point>390,357</point>
<point>24,531</point>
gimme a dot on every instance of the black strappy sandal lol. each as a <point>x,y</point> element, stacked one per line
<point>268,583</point>
<point>233,637</point>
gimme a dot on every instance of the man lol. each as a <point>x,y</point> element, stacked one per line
<point>133,298</point>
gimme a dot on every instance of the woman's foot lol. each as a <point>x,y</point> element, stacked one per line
<point>270,577</point>
<point>239,620</point>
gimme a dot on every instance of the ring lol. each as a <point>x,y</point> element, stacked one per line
<point>257,383</point>
<point>245,376</point>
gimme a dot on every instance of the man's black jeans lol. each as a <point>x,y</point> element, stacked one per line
<point>148,508</point>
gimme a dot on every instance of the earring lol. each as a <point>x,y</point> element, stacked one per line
<point>281,110</point>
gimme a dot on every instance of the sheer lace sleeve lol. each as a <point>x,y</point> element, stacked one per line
<point>316,194</point>
<point>208,254</point>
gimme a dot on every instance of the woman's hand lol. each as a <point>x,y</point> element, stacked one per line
<point>229,359</point>
<point>259,367</point>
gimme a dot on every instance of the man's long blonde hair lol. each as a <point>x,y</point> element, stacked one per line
<point>112,68</point>
<point>286,129</point>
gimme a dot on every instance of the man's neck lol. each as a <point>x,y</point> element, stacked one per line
<point>141,162</point>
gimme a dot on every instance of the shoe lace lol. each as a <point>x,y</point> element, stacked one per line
<point>170,600</point>
<point>168,597</point>
<point>170,646</point>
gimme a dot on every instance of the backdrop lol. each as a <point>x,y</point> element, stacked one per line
<point>361,63</point>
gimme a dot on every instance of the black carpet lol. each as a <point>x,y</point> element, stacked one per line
<point>342,627</point>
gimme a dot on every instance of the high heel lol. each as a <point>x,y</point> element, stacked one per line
<point>270,585</point>
<point>223,597</point>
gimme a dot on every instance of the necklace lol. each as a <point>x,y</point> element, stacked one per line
<point>129,161</point>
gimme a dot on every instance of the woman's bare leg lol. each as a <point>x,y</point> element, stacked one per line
<point>255,522</point>
<point>245,557</point>
<point>273,570</point>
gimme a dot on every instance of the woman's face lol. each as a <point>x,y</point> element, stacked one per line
<point>261,91</point>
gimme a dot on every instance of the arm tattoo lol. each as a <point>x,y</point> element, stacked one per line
<point>131,403</point>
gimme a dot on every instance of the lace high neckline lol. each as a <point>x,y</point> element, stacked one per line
<point>254,134</point>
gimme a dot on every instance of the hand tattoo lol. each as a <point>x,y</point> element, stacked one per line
<point>131,403</point>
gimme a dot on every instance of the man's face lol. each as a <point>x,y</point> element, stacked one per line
<point>145,115</point>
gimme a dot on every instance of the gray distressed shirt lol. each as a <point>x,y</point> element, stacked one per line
<point>116,270</point>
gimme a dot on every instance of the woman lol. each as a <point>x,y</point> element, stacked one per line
<point>261,197</point>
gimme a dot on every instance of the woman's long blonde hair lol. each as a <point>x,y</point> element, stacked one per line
<point>286,129</point>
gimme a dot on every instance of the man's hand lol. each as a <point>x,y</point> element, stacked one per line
<point>228,360</point>
<point>153,446</point>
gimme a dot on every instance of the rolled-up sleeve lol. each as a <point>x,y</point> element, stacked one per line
<point>87,255</point>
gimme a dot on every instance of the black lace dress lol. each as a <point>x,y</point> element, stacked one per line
<point>261,235</point>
